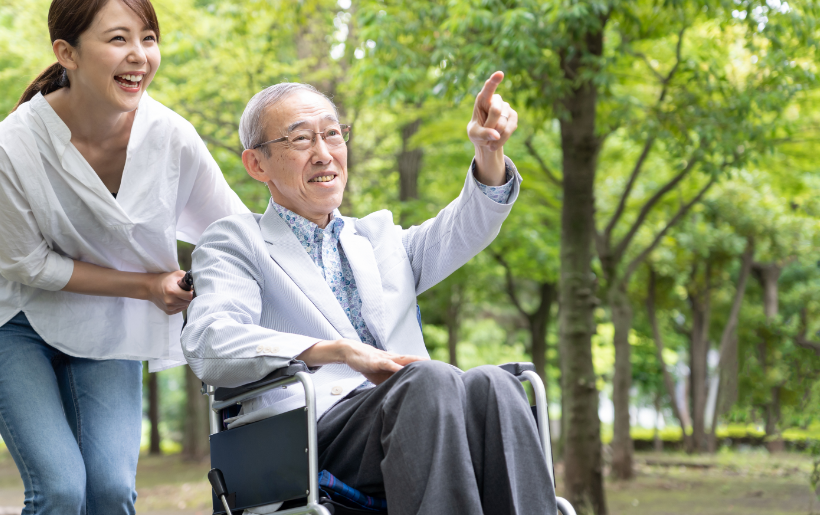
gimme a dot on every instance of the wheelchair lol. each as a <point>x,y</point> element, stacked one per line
<point>250,468</point>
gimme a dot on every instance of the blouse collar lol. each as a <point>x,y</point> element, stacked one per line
<point>57,130</point>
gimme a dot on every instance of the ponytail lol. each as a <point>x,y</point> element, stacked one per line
<point>52,79</point>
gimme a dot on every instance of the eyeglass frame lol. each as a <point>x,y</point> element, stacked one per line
<point>342,126</point>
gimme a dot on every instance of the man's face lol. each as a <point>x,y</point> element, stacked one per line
<point>309,182</point>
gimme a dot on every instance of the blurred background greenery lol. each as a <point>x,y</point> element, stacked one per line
<point>660,267</point>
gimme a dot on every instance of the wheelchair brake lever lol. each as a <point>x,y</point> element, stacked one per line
<point>217,481</point>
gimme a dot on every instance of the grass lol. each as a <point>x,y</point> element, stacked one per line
<point>752,482</point>
<point>749,483</point>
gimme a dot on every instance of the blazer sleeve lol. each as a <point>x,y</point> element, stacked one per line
<point>441,245</point>
<point>223,341</point>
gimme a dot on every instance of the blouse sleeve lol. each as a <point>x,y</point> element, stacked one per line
<point>210,197</point>
<point>25,255</point>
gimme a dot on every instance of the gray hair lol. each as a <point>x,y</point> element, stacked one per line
<point>251,126</point>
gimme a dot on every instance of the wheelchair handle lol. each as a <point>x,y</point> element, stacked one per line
<point>187,282</point>
<point>217,481</point>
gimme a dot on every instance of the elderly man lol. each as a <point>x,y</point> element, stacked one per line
<point>303,282</point>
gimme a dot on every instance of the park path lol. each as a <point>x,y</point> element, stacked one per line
<point>11,503</point>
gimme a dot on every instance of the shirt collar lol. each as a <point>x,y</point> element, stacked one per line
<point>304,229</point>
<point>57,130</point>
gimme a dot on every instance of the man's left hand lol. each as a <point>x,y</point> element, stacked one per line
<point>492,124</point>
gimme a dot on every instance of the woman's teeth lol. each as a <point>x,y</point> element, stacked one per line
<point>324,178</point>
<point>133,80</point>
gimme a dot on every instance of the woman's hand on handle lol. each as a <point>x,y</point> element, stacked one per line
<point>167,295</point>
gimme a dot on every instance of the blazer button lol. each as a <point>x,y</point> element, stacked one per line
<point>260,349</point>
<point>336,390</point>
<point>274,350</point>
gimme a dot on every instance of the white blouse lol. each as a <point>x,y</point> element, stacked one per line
<point>54,208</point>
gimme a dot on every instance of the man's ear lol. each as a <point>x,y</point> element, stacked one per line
<point>66,54</point>
<point>250,158</point>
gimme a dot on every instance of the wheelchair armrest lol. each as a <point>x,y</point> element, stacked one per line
<point>221,394</point>
<point>517,369</point>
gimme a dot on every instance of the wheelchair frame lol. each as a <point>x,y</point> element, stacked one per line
<point>297,373</point>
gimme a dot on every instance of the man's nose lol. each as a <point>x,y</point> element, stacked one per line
<point>321,152</point>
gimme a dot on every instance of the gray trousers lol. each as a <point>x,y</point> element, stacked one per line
<point>434,441</point>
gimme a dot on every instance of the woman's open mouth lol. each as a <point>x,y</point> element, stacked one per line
<point>129,82</point>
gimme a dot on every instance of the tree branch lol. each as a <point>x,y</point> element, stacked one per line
<point>647,207</point>
<point>801,339</point>
<point>633,265</point>
<point>746,261</point>
<point>657,75</point>
<point>510,284</point>
<point>541,163</point>
<point>628,189</point>
<point>229,126</point>
<point>215,142</point>
<point>665,80</point>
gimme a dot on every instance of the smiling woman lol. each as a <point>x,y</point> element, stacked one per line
<point>98,181</point>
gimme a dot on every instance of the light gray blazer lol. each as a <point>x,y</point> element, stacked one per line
<point>261,301</point>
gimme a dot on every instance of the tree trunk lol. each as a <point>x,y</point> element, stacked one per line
<point>195,433</point>
<point>580,146</point>
<point>539,322</point>
<point>668,383</point>
<point>775,441</point>
<point>622,446</point>
<point>409,167</point>
<point>768,274</point>
<point>658,442</point>
<point>727,364</point>
<point>701,304</point>
<point>153,413</point>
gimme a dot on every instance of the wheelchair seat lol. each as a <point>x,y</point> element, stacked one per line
<point>258,470</point>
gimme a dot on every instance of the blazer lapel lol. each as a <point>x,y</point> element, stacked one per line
<point>285,249</point>
<point>362,261</point>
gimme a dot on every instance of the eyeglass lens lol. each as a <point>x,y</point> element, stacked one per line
<point>334,136</point>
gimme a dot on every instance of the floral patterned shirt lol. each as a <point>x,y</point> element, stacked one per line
<point>323,247</point>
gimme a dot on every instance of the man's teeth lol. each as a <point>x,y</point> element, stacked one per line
<point>324,178</point>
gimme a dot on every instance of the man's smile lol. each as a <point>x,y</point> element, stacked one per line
<point>323,178</point>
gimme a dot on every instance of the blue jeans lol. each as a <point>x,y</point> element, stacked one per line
<point>72,425</point>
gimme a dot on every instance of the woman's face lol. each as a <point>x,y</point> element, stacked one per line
<point>117,57</point>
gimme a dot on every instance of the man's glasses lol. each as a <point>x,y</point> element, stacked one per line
<point>303,139</point>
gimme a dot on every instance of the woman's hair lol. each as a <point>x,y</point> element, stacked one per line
<point>67,20</point>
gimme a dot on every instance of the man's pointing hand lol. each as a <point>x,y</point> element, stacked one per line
<point>492,124</point>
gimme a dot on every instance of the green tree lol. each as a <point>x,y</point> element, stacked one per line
<point>587,65</point>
